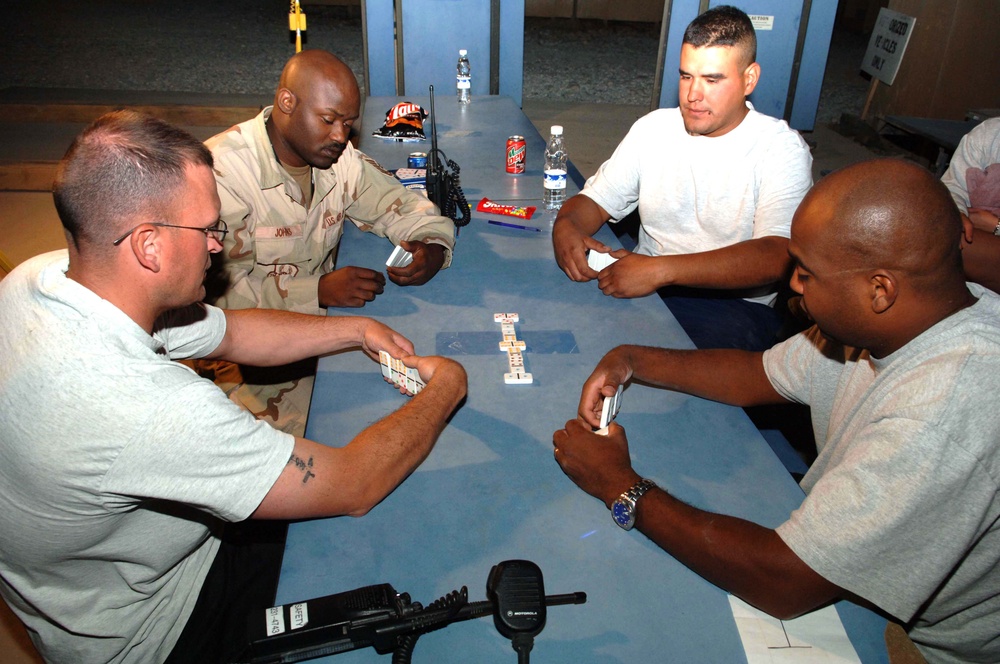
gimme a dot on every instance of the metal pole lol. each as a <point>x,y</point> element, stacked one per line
<point>494,47</point>
<point>661,56</point>
<point>800,45</point>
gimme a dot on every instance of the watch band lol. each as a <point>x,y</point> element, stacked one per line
<point>996,230</point>
<point>639,488</point>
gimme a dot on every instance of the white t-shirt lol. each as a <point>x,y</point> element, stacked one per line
<point>696,193</point>
<point>903,501</point>
<point>116,465</point>
<point>977,152</point>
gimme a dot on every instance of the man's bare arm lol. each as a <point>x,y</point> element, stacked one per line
<point>981,259</point>
<point>266,337</point>
<point>735,377</point>
<point>350,480</point>
<point>750,264</point>
<point>741,557</point>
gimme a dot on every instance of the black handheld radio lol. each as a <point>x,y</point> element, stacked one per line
<point>442,180</point>
<point>378,617</point>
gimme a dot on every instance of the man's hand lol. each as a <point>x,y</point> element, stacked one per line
<point>984,220</point>
<point>350,287</point>
<point>597,464</point>
<point>427,261</point>
<point>431,365</point>
<point>632,275</point>
<point>578,219</point>
<point>613,370</point>
<point>571,247</point>
<point>376,337</point>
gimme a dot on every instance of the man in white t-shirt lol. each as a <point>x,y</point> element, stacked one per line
<point>901,372</point>
<point>715,183</point>
<point>142,507</point>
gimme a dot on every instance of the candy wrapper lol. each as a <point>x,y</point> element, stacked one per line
<point>486,205</point>
<point>404,122</point>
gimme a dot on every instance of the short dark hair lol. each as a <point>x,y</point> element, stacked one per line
<point>724,26</point>
<point>125,165</point>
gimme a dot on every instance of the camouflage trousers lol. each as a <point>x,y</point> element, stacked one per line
<point>279,396</point>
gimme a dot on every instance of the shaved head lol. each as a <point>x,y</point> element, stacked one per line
<point>306,69</point>
<point>877,257</point>
<point>888,213</point>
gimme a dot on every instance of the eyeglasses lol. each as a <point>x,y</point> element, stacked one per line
<point>216,231</point>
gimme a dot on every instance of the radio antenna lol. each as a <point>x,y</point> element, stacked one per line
<point>434,133</point>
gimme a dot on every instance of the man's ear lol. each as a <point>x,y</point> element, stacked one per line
<point>751,75</point>
<point>285,101</point>
<point>884,291</point>
<point>145,242</point>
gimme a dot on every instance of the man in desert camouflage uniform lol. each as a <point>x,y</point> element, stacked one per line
<point>288,179</point>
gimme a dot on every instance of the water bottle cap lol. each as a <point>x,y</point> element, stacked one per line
<point>462,51</point>
<point>556,130</point>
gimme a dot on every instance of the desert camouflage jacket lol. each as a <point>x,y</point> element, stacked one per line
<point>277,249</point>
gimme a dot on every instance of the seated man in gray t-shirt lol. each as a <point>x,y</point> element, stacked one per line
<point>901,371</point>
<point>130,484</point>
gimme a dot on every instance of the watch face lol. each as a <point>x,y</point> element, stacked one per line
<point>622,514</point>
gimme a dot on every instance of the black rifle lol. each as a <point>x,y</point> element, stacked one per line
<point>442,180</point>
<point>379,617</point>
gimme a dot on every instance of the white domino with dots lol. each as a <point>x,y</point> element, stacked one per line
<point>514,348</point>
<point>399,374</point>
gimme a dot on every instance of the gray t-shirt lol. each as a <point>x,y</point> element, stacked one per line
<point>902,504</point>
<point>116,466</point>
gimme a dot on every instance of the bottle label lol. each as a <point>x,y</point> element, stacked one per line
<point>464,82</point>
<point>555,179</point>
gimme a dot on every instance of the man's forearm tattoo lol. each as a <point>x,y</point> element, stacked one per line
<point>304,466</point>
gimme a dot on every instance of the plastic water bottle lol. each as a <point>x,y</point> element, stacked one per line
<point>555,170</point>
<point>464,78</point>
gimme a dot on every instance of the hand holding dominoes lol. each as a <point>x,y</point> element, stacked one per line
<point>399,258</point>
<point>598,260</point>
<point>609,411</point>
<point>407,379</point>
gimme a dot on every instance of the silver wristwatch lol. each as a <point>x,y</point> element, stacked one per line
<point>623,510</point>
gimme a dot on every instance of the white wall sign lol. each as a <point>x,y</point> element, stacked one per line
<point>762,22</point>
<point>887,45</point>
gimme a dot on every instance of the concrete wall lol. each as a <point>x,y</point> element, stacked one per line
<point>951,64</point>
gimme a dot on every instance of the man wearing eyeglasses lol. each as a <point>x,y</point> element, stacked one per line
<point>289,179</point>
<point>143,509</point>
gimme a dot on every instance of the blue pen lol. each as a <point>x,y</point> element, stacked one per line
<point>517,226</point>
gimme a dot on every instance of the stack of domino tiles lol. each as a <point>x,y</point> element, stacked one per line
<point>514,349</point>
<point>400,375</point>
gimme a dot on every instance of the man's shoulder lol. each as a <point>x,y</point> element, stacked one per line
<point>238,137</point>
<point>660,119</point>
<point>768,128</point>
<point>985,314</point>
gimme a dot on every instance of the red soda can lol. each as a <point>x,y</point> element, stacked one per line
<point>517,150</point>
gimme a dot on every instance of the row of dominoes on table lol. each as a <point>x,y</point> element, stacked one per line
<point>402,376</point>
<point>514,348</point>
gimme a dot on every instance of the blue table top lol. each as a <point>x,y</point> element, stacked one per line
<point>490,490</point>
